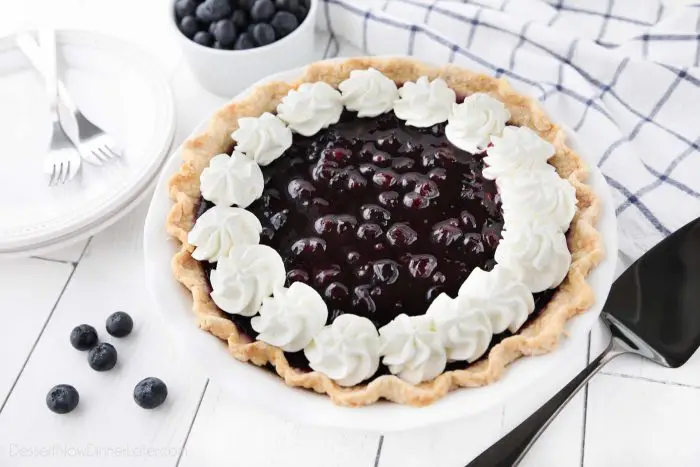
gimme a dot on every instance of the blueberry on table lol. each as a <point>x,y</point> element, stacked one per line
<point>189,26</point>
<point>284,23</point>
<point>245,41</point>
<point>240,20</point>
<point>287,5</point>
<point>119,324</point>
<point>262,11</point>
<point>225,32</point>
<point>264,34</point>
<point>62,398</point>
<point>149,393</point>
<point>83,337</point>
<point>185,8</point>
<point>204,38</point>
<point>102,357</point>
<point>213,10</point>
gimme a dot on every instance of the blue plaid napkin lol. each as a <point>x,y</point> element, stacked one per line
<point>622,73</point>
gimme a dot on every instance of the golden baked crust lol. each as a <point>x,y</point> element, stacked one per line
<point>540,336</point>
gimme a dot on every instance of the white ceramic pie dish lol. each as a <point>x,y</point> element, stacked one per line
<point>263,388</point>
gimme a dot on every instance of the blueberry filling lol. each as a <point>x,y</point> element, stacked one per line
<point>380,218</point>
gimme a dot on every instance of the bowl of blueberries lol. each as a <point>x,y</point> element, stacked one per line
<point>232,43</point>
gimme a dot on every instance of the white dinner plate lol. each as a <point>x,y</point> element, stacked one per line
<point>116,85</point>
<point>266,390</point>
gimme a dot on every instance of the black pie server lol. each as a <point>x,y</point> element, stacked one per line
<point>653,310</point>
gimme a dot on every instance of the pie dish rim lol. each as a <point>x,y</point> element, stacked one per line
<point>541,335</point>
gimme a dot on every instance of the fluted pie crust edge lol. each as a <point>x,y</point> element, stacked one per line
<point>540,336</point>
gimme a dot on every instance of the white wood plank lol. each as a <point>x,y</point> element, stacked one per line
<point>560,445</point>
<point>451,444</point>
<point>68,254</point>
<point>30,289</point>
<point>638,423</point>
<point>456,444</point>
<point>107,423</point>
<point>229,429</point>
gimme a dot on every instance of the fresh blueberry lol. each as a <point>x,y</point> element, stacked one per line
<point>189,26</point>
<point>185,8</point>
<point>204,38</point>
<point>212,27</point>
<point>301,13</point>
<point>213,10</point>
<point>284,23</point>
<point>245,41</point>
<point>217,45</point>
<point>225,32</point>
<point>149,393</point>
<point>62,398</point>
<point>83,337</point>
<point>250,28</point>
<point>264,34</point>
<point>246,5</point>
<point>240,20</point>
<point>119,324</point>
<point>102,357</point>
<point>287,5</point>
<point>262,11</point>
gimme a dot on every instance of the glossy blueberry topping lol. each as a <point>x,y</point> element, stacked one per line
<point>369,213</point>
<point>379,217</point>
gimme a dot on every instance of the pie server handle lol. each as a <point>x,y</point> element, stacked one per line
<point>510,450</point>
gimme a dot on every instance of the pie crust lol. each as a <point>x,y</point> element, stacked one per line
<point>539,336</point>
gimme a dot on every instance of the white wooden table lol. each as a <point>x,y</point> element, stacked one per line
<point>631,415</point>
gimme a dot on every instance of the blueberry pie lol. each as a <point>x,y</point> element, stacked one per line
<point>384,229</point>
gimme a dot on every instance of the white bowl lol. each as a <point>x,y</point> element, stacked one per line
<point>266,390</point>
<point>227,72</point>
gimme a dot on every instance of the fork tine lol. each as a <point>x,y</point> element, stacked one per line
<point>62,174</point>
<point>66,172</point>
<point>69,174</point>
<point>104,153</point>
<point>57,180</point>
<point>58,169</point>
<point>112,153</point>
<point>97,155</point>
<point>114,149</point>
<point>53,175</point>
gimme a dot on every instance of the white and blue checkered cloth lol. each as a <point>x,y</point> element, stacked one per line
<point>622,73</point>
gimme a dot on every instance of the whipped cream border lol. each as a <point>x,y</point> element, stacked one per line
<point>533,165</point>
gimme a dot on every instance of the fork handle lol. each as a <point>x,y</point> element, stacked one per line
<point>41,63</point>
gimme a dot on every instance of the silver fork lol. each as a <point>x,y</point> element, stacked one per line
<point>62,162</point>
<point>94,144</point>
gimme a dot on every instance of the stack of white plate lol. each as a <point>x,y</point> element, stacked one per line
<point>117,86</point>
